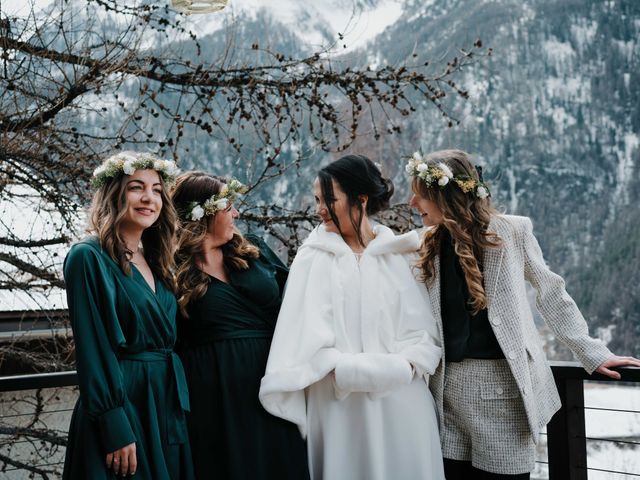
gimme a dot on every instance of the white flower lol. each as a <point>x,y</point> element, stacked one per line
<point>100,170</point>
<point>224,190</point>
<point>482,192</point>
<point>442,181</point>
<point>128,168</point>
<point>425,176</point>
<point>197,213</point>
<point>221,204</point>
<point>417,157</point>
<point>171,168</point>
<point>160,165</point>
<point>410,167</point>
<point>123,157</point>
<point>446,170</point>
<point>422,167</point>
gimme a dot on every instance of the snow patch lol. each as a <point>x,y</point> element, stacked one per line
<point>476,86</point>
<point>562,119</point>
<point>626,166</point>
<point>315,23</point>
<point>575,89</point>
<point>558,53</point>
<point>513,194</point>
<point>606,424</point>
<point>627,49</point>
<point>583,33</point>
<point>422,12</point>
<point>606,333</point>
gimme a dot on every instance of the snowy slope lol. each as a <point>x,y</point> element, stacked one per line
<point>316,24</point>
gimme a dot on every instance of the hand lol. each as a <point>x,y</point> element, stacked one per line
<point>123,461</point>
<point>616,361</point>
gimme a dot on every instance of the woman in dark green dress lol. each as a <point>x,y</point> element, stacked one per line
<point>129,419</point>
<point>229,292</point>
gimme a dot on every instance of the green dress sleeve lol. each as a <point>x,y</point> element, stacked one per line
<point>282,272</point>
<point>96,331</point>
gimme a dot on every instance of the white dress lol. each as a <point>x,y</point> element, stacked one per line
<point>349,363</point>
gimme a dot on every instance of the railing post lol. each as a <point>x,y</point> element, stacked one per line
<point>566,433</point>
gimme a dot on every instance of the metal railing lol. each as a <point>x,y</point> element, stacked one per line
<point>16,322</point>
<point>17,383</point>
<point>567,439</point>
<point>566,433</point>
<point>35,411</point>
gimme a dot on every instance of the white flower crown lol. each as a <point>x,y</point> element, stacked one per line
<point>128,162</point>
<point>442,175</point>
<point>217,201</point>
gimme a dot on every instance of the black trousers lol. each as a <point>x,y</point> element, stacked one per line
<point>461,470</point>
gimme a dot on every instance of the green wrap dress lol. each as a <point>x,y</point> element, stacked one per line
<point>132,385</point>
<point>224,345</point>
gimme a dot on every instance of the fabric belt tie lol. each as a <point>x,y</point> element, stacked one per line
<point>176,429</point>
<point>176,365</point>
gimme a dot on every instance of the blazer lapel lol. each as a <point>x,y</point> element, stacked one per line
<point>434,294</point>
<point>492,258</point>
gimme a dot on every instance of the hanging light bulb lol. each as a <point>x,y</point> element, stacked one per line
<point>198,6</point>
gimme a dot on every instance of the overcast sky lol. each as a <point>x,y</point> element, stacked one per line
<point>21,7</point>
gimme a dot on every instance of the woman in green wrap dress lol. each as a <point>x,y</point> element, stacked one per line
<point>229,291</point>
<point>129,419</point>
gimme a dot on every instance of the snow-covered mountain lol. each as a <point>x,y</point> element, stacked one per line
<point>554,116</point>
<point>314,24</point>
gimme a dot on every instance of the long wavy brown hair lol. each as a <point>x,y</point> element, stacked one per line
<point>107,212</point>
<point>192,282</point>
<point>467,219</point>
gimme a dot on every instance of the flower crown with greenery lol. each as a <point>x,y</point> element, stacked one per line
<point>217,201</point>
<point>441,175</point>
<point>128,162</point>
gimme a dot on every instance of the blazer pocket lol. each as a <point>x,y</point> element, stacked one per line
<point>500,404</point>
<point>498,391</point>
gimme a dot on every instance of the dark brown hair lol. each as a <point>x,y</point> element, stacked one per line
<point>198,187</point>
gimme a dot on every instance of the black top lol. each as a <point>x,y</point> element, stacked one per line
<point>246,307</point>
<point>465,335</point>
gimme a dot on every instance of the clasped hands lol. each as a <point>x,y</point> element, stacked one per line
<point>374,373</point>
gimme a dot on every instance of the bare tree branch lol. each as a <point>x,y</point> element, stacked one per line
<point>15,242</point>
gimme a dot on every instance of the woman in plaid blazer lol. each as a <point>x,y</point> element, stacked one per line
<point>494,389</point>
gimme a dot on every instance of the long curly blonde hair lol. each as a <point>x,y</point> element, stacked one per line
<point>467,219</point>
<point>192,282</point>
<point>106,214</point>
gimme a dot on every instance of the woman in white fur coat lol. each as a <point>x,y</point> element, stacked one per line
<point>355,340</point>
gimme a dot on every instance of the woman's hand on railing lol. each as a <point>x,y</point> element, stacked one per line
<point>123,461</point>
<point>616,361</point>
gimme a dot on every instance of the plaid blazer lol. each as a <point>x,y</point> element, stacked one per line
<point>506,271</point>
